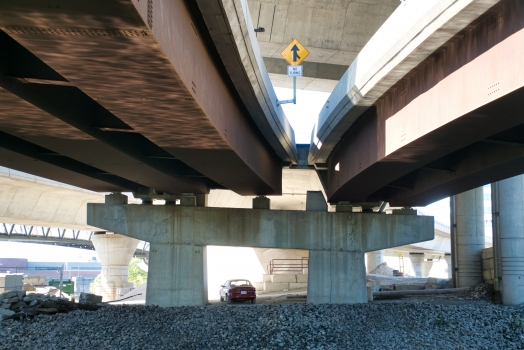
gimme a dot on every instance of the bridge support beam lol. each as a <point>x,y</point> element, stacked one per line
<point>336,243</point>
<point>115,252</point>
<point>511,243</point>
<point>468,221</point>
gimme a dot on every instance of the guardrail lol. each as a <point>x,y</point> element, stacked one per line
<point>56,236</point>
<point>287,265</point>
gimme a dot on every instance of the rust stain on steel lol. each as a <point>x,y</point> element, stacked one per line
<point>25,121</point>
<point>483,58</point>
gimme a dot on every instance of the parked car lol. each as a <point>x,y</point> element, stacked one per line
<point>240,289</point>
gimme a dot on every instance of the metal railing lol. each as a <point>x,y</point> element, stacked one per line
<point>56,236</point>
<point>287,265</point>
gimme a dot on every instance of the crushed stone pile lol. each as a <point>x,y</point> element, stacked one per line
<point>382,270</point>
<point>473,325</point>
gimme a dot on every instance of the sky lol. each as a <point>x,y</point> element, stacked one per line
<point>304,114</point>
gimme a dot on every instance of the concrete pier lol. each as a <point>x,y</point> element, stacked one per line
<point>336,278</point>
<point>336,243</point>
<point>469,237</point>
<point>114,252</point>
<point>417,260</point>
<point>177,275</point>
<point>427,265</point>
<point>373,259</point>
<point>511,229</point>
<point>447,257</point>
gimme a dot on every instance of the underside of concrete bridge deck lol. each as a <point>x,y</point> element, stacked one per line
<point>333,31</point>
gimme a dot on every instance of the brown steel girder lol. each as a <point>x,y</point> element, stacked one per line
<point>473,84</point>
<point>155,103</point>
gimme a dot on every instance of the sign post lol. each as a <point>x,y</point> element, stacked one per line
<point>294,54</point>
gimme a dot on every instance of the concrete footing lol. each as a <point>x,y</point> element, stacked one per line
<point>114,252</point>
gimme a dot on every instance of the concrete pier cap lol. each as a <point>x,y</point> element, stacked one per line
<point>336,243</point>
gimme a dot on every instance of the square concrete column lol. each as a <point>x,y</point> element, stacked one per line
<point>177,275</point>
<point>336,277</point>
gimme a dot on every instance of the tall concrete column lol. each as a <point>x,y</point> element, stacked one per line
<point>374,259</point>
<point>427,265</point>
<point>336,277</point>
<point>511,245</point>
<point>417,260</point>
<point>447,257</point>
<point>177,275</point>
<point>469,237</point>
<point>114,252</point>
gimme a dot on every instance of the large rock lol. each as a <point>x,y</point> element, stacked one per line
<point>30,297</point>
<point>431,283</point>
<point>20,293</point>
<point>9,294</point>
<point>18,305</point>
<point>10,300</point>
<point>87,298</point>
<point>6,312</point>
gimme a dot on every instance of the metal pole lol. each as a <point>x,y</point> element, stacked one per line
<point>452,234</point>
<point>61,278</point>
<point>495,224</point>
<point>295,90</point>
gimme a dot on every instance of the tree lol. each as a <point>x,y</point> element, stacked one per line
<point>136,274</point>
<point>92,285</point>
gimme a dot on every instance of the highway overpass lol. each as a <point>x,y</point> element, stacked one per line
<point>172,100</point>
<point>413,120</point>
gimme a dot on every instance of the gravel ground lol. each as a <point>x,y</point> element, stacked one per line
<point>417,325</point>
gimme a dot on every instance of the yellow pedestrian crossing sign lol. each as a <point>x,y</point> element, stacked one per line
<point>295,53</point>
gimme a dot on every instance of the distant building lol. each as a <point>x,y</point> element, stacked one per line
<point>50,270</point>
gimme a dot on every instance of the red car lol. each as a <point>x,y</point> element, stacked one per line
<point>238,290</point>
